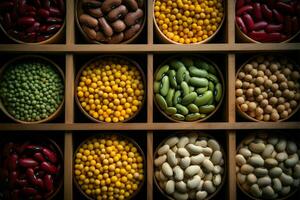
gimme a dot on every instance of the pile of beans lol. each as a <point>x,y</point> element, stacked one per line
<point>186,22</point>
<point>268,167</point>
<point>30,170</point>
<point>32,21</point>
<point>109,167</point>
<point>31,89</point>
<point>111,89</point>
<point>111,21</point>
<point>187,88</point>
<point>189,167</point>
<point>267,88</point>
<point>268,21</point>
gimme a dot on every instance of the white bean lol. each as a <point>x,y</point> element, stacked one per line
<point>196,160</point>
<point>217,179</point>
<point>181,186</point>
<point>182,142</point>
<point>163,150</point>
<point>160,160</point>
<point>170,187</point>
<point>167,170</point>
<point>209,187</point>
<point>178,173</point>
<point>172,141</point>
<point>182,152</point>
<point>216,157</point>
<point>200,195</point>
<point>207,164</point>
<point>213,144</point>
<point>192,170</point>
<point>180,196</point>
<point>193,149</point>
<point>193,182</point>
<point>185,162</point>
<point>193,138</point>
<point>171,158</point>
<point>240,160</point>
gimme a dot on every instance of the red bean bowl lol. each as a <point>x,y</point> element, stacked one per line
<point>267,21</point>
<point>35,22</point>
<point>30,168</point>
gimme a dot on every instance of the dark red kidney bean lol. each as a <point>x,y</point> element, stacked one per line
<point>12,162</point>
<point>39,157</point>
<point>46,4</point>
<point>3,174</point>
<point>295,24</point>
<point>273,37</point>
<point>129,33</point>
<point>37,3</point>
<point>61,5</point>
<point>6,6</point>
<point>40,173</point>
<point>240,3</point>
<point>15,194</point>
<point>31,176</point>
<point>270,3</point>
<point>21,7</point>
<point>95,12</point>
<point>241,24</point>
<point>40,183</point>
<point>8,148</point>
<point>29,8</point>
<point>284,7</point>
<point>50,155</point>
<point>244,10</point>
<point>54,20</point>
<point>34,28</point>
<point>257,11</point>
<point>53,28</point>
<point>278,16</point>
<point>43,29</point>
<point>260,25</point>
<point>109,5</point>
<point>22,182</point>
<point>41,38</point>
<point>288,25</point>
<point>7,21</point>
<point>91,3</point>
<point>28,162</point>
<point>12,180</point>
<point>271,28</point>
<point>258,36</point>
<point>48,182</point>
<point>38,197</point>
<point>267,13</point>
<point>55,12</point>
<point>28,191</point>
<point>44,13</point>
<point>30,14</point>
<point>248,21</point>
<point>132,4</point>
<point>48,168</point>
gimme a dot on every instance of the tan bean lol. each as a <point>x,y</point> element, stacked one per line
<point>110,4</point>
<point>132,4</point>
<point>117,13</point>
<point>133,17</point>
<point>88,20</point>
<point>118,25</point>
<point>105,27</point>
<point>100,37</point>
<point>95,12</point>
<point>91,33</point>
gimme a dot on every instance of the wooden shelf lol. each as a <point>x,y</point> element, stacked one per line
<point>230,125</point>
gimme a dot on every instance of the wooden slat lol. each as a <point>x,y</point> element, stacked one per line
<point>150,88</point>
<point>69,89</point>
<point>144,48</point>
<point>70,26</point>
<point>150,165</point>
<point>230,22</point>
<point>231,142</point>
<point>150,22</point>
<point>231,88</point>
<point>152,126</point>
<point>68,168</point>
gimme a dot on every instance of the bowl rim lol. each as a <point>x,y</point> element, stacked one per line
<point>50,40</point>
<point>120,137</point>
<point>200,134</point>
<point>97,58</point>
<point>165,39</point>
<point>54,66</point>
<point>240,145</point>
<point>57,148</point>
<point>220,76</point>
<point>246,116</point>
<point>131,40</point>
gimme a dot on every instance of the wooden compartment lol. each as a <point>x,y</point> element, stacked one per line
<point>72,125</point>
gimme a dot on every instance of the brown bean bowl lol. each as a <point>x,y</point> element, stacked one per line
<point>57,37</point>
<point>119,137</point>
<point>219,76</point>
<point>162,37</point>
<point>77,79</point>
<point>58,70</point>
<point>55,146</point>
<point>240,186</point>
<point>201,134</point>
<point>79,11</point>
<point>245,38</point>
<point>246,116</point>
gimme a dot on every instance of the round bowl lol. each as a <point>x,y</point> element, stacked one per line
<point>245,38</point>
<point>45,141</point>
<point>201,134</point>
<point>79,11</point>
<point>241,145</point>
<point>162,37</point>
<point>120,137</point>
<point>123,58</point>
<point>30,57</point>
<point>246,116</point>
<point>221,80</point>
